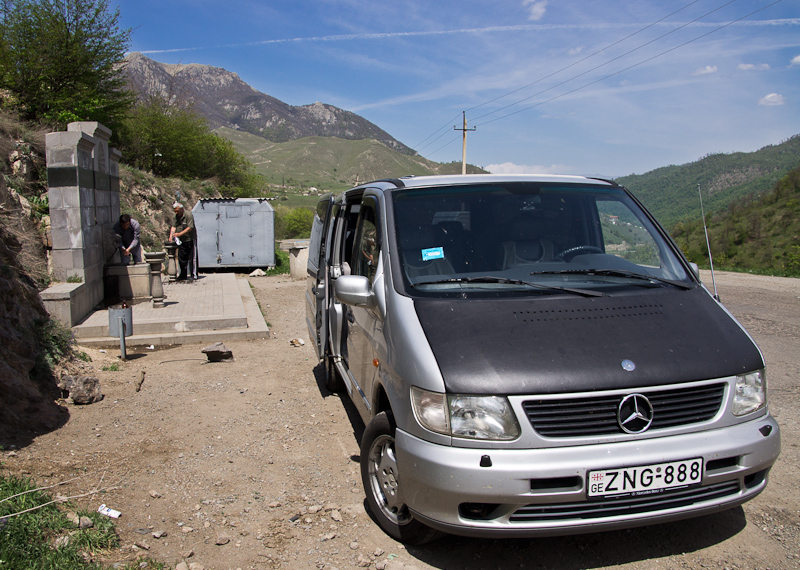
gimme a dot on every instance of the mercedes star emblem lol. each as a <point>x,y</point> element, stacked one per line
<point>635,413</point>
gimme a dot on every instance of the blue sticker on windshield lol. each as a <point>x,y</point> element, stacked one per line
<point>432,253</point>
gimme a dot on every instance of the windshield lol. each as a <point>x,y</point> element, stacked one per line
<point>532,238</point>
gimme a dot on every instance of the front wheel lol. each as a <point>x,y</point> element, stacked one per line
<point>382,483</point>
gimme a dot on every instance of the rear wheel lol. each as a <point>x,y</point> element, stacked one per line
<point>382,483</point>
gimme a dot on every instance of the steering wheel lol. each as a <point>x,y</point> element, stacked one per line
<point>568,254</point>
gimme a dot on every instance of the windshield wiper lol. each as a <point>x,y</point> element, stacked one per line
<point>617,273</point>
<point>493,279</point>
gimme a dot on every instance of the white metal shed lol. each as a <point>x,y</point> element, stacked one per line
<point>235,232</point>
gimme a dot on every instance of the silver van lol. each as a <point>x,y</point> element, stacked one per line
<point>531,355</point>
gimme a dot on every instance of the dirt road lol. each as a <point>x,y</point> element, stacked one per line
<point>254,465</point>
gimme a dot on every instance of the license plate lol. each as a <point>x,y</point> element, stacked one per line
<point>645,479</point>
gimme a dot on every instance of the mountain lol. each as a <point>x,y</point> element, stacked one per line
<point>226,101</point>
<point>670,193</point>
<point>758,233</point>
<point>331,163</point>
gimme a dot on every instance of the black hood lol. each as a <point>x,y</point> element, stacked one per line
<point>541,345</point>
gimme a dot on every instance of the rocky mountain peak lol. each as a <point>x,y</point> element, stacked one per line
<point>224,99</point>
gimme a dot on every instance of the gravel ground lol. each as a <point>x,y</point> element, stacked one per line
<point>252,464</point>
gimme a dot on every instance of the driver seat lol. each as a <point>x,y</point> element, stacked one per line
<point>526,246</point>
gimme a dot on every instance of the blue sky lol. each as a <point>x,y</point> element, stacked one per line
<point>601,87</point>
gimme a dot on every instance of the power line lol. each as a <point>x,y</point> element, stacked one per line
<point>443,128</point>
<point>601,65</point>
<point>446,125</point>
<point>630,66</point>
<point>607,62</point>
<point>584,58</point>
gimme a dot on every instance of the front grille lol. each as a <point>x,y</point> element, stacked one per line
<point>597,415</point>
<point>625,506</point>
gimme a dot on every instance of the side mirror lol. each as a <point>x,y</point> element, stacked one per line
<point>354,290</point>
<point>695,270</point>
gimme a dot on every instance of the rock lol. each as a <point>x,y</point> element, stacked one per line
<point>217,352</point>
<point>83,390</point>
<point>85,522</point>
<point>181,566</point>
<point>353,545</point>
<point>336,515</point>
<point>196,566</point>
<point>222,539</point>
<point>155,494</point>
<point>159,534</point>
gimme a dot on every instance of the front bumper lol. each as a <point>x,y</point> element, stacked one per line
<point>535,492</point>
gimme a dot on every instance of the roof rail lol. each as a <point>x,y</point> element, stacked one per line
<point>604,180</point>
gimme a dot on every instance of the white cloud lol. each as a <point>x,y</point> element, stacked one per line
<point>753,67</point>
<point>536,9</point>
<point>575,51</point>
<point>796,60</point>
<point>511,168</point>
<point>706,70</point>
<point>771,100</point>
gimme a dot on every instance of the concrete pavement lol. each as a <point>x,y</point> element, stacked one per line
<point>215,307</point>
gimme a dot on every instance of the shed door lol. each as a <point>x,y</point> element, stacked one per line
<point>233,235</point>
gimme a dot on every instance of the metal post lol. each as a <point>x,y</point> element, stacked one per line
<point>122,338</point>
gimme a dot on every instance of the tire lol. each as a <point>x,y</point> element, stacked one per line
<point>333,381</point>
<point>382,484</point>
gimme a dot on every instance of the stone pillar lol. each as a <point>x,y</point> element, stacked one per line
<point>70,179</point>
<point>172,260</point>
<point>83,190</point>
<point>156,261</point>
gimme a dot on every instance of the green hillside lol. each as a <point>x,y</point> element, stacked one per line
<point>759,233</point>
<point>329,163</point>
<point>671,192</point>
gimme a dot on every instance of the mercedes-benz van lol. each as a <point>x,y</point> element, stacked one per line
<point>531,355</point>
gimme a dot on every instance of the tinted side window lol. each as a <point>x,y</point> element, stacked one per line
<point>366,249</point>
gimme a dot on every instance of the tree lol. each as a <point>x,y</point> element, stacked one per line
<point>165,136</point>
<point>298,223</point>
<point>166,139</point>
<point>62,60</point>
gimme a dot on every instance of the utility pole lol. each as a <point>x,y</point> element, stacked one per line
<point>464,130</point>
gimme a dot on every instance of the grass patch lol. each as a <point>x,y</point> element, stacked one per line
<point>43,537</point>
<point>281,263</point>
<point>113,367</point>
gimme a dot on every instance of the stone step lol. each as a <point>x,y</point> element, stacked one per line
<point>151,327</point>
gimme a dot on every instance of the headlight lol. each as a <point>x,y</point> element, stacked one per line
<point>472,417</point>
<point>750,393</point>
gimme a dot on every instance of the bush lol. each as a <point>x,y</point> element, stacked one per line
<point>56,343</point>
<point>281,263</point>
